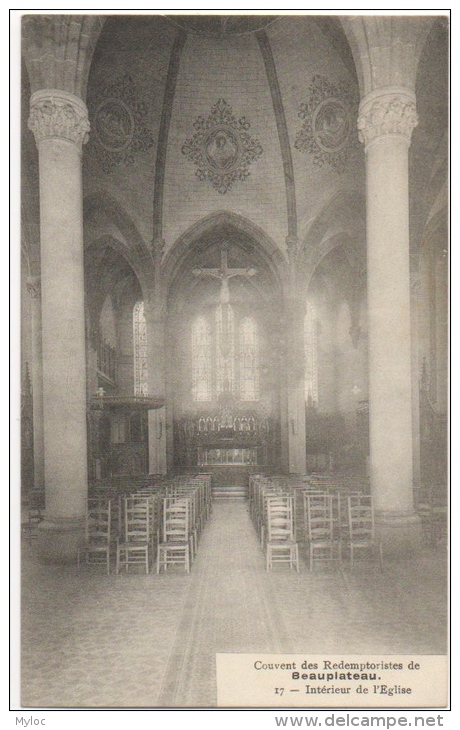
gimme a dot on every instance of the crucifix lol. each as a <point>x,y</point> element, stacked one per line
<point>225,274</point>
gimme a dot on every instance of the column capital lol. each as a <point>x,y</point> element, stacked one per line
<point>58,114</point>
<point>33,285</point>
<point>387,111</point>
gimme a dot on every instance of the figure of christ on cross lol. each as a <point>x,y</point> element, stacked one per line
<point>225,274</point>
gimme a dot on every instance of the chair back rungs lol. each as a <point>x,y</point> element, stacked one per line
<point>134,546</point>
<point>361,528</point>
<point>321,532</point>
<point>281,546</point>
<point>98,532</point>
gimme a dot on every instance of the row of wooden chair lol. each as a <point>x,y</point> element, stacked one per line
<point>161,524</point>
<point>329,520</point>
<point>335,521</point>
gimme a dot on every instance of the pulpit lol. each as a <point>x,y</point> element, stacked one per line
<point>118,435</point>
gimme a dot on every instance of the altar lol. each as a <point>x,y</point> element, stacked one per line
<point>226,456</point>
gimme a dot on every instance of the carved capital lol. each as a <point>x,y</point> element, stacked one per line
<point>388,112</point>
<point>58,114</point>
<point>33,285</point>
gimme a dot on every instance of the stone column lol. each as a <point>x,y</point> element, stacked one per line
<point>297,451</point>
<point>386,120</point>
<point>60,124</point>
<point>415,317</point>
<point>441,279</point>
<point>33,287</point>
<point>156,373</point>
<point>296,392</point>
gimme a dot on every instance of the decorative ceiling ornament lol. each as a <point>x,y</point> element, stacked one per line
<point>222,147</point>
<point>118,128</point>
<point>329,131</point>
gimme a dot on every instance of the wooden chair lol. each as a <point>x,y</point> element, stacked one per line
<point>324,545</point>
<point>175,546</point>
<point>134,549</point>
<point>277,496</point>
<point>97,547</point>
<point>153,500</point>
<point>361,528</point>
<point>281,546</point>
<point>191,494</point>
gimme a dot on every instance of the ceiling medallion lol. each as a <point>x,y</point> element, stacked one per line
<point>118,128</point>
<point>329,131</point>
<point>222,148</point>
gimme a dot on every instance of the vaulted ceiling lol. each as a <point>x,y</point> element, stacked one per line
<point>196,116</point>
<point>183,86</point>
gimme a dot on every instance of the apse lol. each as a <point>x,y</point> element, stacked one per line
<point>224,340</point>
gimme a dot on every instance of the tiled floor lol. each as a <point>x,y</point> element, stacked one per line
<point>150,641</point>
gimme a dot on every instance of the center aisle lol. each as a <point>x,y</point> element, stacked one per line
<point>230,607</point>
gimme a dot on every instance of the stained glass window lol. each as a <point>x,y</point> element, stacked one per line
<point>222,362</point>
<point>311,354</point>
<point>249,360</point>
<point>201,360</point>
<point>141,386</point>
<point>225,349</point>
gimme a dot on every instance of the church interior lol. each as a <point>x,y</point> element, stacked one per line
<point>234,328</point>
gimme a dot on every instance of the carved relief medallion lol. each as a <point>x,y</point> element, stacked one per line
<point>118,123</point>
<point>329,128</point>
<point>331,125</point>
<point>222,147</point>
<point>114,125</point>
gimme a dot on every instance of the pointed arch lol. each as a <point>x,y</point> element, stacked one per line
<point>342,221</point>
<point>130,245</point>
<point>266,249</point>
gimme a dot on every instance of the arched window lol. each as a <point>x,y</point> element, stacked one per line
<point>311,354</point>
<point>141,386</point>
<point>221,362</point>
<point>225,349</point>
<point>249,359</point>
<point>201,360</point>
<point>106,341</point>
